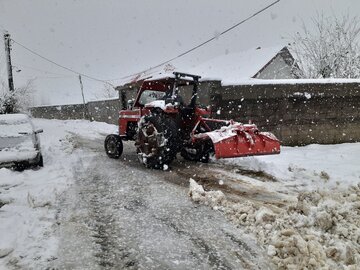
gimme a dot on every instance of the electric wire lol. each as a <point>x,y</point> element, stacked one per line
<point>59,65</point>
<point>158,65</point>
<point>40,70</point>
<point>45,77</point>
<point>203,43</point>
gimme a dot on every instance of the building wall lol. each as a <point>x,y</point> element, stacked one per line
<point>277,69</point>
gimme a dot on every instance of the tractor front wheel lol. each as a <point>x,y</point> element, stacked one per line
<point>157,140</point>
<point>113,146</point>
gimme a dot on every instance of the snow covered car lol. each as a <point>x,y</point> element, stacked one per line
<point>19,142</point>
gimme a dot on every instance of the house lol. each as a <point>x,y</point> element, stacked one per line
<point>260,63</point>
<point>232,68</point>
<point>281,66</point>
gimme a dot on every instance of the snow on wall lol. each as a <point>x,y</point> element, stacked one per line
<point>298,112</point>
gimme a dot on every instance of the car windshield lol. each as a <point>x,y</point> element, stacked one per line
<point>15,130</point>
<point>148,96</point>
<point>19,128</point>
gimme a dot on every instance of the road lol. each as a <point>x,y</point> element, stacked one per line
<point>119,215</point>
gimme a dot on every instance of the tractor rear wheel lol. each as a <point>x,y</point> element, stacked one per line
<point>157,140</point>
<point>113,146</point>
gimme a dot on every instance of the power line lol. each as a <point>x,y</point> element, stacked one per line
<point>203,43</point>
<point>158,65</point>
<point>45,77</point>
<point>40,70</point>
<point>59,65</point>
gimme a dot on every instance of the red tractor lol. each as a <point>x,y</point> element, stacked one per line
<point>165,120</point>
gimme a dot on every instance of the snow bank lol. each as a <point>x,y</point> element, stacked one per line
<point>212,198</point>
<point>310,167</point>
<point>320,231</point>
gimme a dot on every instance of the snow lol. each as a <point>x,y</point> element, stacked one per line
<point>24,151</point>
<point>13,118</point>
<point>313,166</point>
<point>233,66</point>
<point>16,138</point>
<point>227,81</point>
<point>27,213</point>
<point>223,133</point>
<point>319,226</point>
<point>156,104</point>
<point>13,124</point>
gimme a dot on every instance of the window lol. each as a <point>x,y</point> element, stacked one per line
<point>150,95</point>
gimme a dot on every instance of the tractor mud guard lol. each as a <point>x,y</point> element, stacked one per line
<point>240,140</point>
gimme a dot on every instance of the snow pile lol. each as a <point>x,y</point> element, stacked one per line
<point>310,167</point>
<point>214,199</point>
<point>320,231</point>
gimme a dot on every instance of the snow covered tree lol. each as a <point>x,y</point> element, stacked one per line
<point>330,49</point>
<point>17,101</point>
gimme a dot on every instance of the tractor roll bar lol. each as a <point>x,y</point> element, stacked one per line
<point>195,78</point>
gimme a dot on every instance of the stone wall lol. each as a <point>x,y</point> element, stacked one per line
<point>102,111</point>
<point>62,112</point>
<point>297,114</point>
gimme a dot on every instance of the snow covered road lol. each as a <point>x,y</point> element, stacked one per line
<point>86,211</point>
<point>107,213</point>
<point>130,217</point>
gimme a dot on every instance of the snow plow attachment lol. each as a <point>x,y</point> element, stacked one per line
<point>239,140</point>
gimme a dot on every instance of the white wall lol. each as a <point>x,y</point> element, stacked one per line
<point>277,69</point>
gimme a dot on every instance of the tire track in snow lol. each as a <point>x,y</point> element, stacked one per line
<point>137,219</point>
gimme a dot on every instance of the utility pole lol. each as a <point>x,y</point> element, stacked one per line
<point>85,115</point>
<point>7,41</point>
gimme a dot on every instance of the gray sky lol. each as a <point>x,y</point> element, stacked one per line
<point>109,39</point>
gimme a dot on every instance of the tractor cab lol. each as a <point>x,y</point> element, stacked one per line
<point>175,94</point>
<point>177,90</point>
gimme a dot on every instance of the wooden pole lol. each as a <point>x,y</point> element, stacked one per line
<point>7,40</point>
<point>85,115</point>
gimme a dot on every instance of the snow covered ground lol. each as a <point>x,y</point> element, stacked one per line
<point>27,215</point>
<point>310,167</point>
<point>300,205</point>
<point>319,225</point>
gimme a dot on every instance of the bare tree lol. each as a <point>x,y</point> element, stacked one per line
<point>331,49</point>
<point>107,92</point>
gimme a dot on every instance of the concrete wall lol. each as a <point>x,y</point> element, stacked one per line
<point>62,112</point>
<point>297,114</point>
<point>102,111</point>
